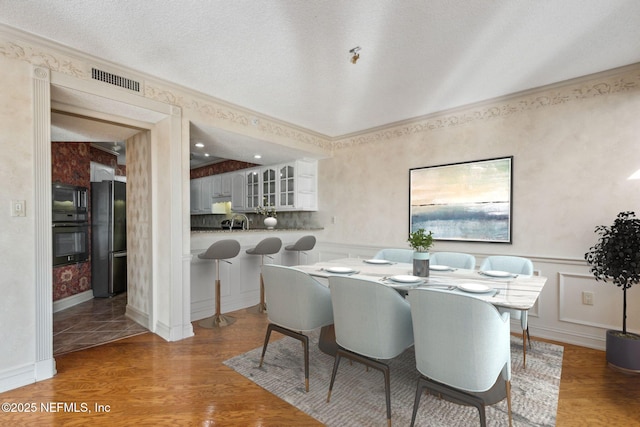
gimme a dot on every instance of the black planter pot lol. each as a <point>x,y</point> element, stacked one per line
<point>623,353</point>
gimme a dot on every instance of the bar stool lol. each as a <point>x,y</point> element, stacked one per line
<point>220,250</point>
<point>305,243</point>
<point>265,247</point>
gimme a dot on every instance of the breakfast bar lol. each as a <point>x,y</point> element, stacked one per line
<point>240,275</point>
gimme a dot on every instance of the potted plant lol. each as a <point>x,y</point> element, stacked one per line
<point>616,257</point>
<point>420,241</point>
<point>270,214</point>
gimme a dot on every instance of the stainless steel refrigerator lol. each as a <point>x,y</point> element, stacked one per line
<point>108,238</point>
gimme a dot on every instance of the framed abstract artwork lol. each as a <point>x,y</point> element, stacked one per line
<point>468,201</point>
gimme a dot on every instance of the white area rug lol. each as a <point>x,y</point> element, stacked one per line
<point>358,395</point>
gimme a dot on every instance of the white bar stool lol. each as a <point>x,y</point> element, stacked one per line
<point>220,250</point>
<point>305,243</point>
<point>266,247</point>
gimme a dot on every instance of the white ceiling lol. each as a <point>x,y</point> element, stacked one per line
<point>289,59</point>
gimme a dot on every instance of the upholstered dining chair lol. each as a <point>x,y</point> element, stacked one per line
<point>297,303</point>
<point>372,323</point>
<point>395,255</point>
<point>465,359</point>
<point>453,259</point>
<point>513,265</point>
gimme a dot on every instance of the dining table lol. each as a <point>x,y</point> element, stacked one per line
<point>500,288</point>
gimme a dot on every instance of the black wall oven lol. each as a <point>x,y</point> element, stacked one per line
<point>69,224</point>
<point>70,243</point>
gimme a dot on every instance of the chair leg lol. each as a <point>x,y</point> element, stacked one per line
<point>266,342</point>
<point>524,349</point>
<point>368,363</point>
<point>416,401</point>
<point>300,337</point>
<point>508,388</point>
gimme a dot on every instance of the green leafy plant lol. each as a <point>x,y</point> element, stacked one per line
<point>420,241</point>
<point>616,255</point>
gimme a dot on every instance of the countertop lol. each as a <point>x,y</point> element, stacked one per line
<point>251,230</point>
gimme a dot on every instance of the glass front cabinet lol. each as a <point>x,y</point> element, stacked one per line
<point>252,190</point>
<point>289,187</point>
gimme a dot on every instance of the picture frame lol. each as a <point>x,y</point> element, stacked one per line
<point>466,201</point>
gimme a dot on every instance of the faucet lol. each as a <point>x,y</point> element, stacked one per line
<point>245,224</point>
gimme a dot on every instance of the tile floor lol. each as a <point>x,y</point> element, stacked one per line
<point>92,323</point>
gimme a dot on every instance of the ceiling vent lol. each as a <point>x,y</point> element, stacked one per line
<point>115,80</point>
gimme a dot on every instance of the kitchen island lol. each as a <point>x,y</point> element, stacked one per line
<point>240,280</point>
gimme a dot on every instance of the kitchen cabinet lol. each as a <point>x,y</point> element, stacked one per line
<point>269,184</point>
<point>201,192</point>
<point>237,192</point>
<point>252,189</point>
<point>291,186</point>
<point>221,185</point>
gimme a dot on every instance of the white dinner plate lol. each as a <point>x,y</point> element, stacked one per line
<point>437,267</point>
<point>475,288</point>
<point>402,278</point>
<point>340,270</point>
<point>497,273</point>
<point>377,261</point>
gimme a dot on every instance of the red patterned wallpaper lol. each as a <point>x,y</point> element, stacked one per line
<point>71,164</point>
<point>222,167</point>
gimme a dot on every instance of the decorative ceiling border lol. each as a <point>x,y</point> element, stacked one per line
<point>47,54</point>
<point>624,79</point>
<point>607,82</point>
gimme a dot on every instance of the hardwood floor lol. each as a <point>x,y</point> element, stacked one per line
<point>146,381</point>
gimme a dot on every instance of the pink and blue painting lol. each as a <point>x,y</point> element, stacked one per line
<point>468,201</point>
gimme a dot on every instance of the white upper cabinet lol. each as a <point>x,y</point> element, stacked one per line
<point>237,192</point>
<point>252,195</point>
<point>290,186</point>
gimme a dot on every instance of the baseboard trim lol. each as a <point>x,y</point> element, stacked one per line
<point>68,302</point>
<point>17,377</point>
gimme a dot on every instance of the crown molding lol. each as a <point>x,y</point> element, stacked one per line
<point>622,79</point>
<point>19,45</point>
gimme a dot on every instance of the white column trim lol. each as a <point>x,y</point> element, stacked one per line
<point>44,361</point>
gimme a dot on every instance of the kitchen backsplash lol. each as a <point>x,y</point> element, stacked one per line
<point>286,220</point>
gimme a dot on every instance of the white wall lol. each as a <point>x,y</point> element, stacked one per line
<point>574,147</point>
<point>17,263</point>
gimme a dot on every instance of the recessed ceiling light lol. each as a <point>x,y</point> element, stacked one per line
<point>199,144</point>
<point>257,156</point>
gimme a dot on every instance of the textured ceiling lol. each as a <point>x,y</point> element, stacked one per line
<point>289,59</point>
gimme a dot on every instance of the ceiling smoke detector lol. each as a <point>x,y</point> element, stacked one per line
<point>355,54</point>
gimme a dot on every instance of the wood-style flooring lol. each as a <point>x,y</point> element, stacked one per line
<point>146,381</point>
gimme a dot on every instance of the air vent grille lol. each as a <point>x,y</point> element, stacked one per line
<point>114,79</point>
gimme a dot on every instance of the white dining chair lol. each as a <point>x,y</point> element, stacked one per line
<point>372,323</point>
<point>297,303</point>
<point>513,265</point>
<point>453,259</point>
<point>395,255</point>
<point>466,359</point>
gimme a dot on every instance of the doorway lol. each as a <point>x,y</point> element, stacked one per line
<point>161,160</point>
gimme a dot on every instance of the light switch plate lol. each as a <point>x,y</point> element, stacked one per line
<point>18,208</point>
